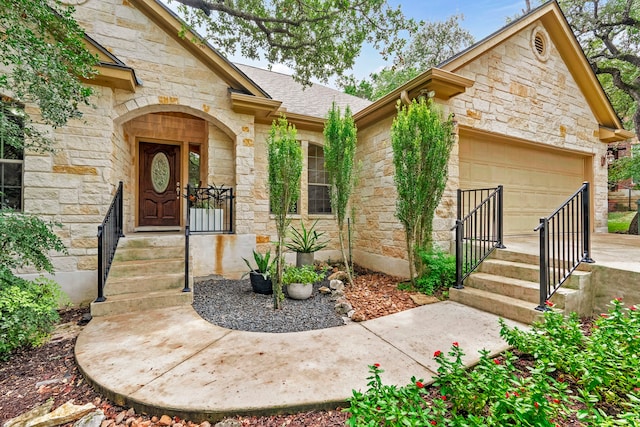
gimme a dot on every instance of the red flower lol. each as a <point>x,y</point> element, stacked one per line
<point>443,397</point>
<point>619,299</point>
<point>536,405</point>
<point>549,303</point>
<point>433,423</point>
<point>496,361</point>
<point>605,315</point>
<point>378,408</point>
<point>556,400</point>
<point>633,308</point>
<point>419,384</point>
<point>515,393</point>
<point>437,353</point>
<point>506,395</point>
<point>455,343</point>
<point>377,365</point>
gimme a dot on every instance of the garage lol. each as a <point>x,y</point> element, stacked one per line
<point>536,178</point>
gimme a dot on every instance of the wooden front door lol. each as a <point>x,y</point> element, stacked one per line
<point>159,201</point>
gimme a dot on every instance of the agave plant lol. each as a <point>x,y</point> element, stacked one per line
<point>306,240</point>
<point>262,263</point>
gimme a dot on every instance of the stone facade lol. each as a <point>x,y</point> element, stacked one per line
<point>185,98</point>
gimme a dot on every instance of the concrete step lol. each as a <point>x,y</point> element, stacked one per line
<point>132,302</point>
<point>507,255</point>
<point>515,288</point>
<point>146,267</point>
<point>142,253</point>
<point>516,270</point>
<point>151,240</point>
<point>149,283</point>
<point>507,307</point>
<point>529,272</point>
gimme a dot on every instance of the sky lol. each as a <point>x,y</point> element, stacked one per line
<point>481,18</point>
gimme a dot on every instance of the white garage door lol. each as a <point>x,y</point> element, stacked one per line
<point>536,179</point>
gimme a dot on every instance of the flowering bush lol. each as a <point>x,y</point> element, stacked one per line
<point>592,378</point>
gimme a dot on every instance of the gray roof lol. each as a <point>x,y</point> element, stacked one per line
<point>314,100</point>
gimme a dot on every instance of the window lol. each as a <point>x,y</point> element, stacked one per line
<point>319,200</point>
<point>11,155</point>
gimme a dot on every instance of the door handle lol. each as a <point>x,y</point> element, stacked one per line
<point>178,190</point>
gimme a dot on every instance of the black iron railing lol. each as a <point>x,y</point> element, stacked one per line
<point>109,233</point>
<point>209,210</point>
<point>565,242</point>
<point>479,229</point>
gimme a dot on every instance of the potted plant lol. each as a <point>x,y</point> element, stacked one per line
<point>299,281</point>
<point>305,242</point>
<point>260,277</point>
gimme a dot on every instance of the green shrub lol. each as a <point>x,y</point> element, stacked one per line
<point>439,271</point>
<point>592,377</point>
<point>28,310</point>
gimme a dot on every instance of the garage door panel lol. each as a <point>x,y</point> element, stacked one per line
<point>536,179</point>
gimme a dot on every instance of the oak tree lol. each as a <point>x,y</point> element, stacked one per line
<point>315,38</point>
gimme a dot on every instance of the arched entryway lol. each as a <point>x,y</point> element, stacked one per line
<point>169,149</point>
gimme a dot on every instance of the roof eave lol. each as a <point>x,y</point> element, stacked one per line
<point>169,22</point>
<point>608,135</point>
<point>443,84</point>
<point>550,15</point>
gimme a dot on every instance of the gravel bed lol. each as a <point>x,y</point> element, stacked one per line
<point>233,304</point>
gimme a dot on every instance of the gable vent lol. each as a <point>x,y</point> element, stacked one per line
<point>540,43</point>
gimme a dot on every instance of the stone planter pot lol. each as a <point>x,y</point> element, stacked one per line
<point>299,290</point>
<point>304,258</point>
<point>259,284</point>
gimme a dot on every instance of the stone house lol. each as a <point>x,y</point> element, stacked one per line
<point>530,116</point>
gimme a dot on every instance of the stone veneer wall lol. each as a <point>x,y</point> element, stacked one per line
<point>265,229</point>
<point>75,185</point>
<point>514,94</point>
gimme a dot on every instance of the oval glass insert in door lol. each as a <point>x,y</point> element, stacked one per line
<point>160,172</point>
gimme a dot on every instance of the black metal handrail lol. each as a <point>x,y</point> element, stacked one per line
<point>109,234</point>
<point>565,242</point>
<point>479,229</point>
<point>209,210</point>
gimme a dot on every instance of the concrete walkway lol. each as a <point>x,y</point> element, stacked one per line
<point>171,361</point>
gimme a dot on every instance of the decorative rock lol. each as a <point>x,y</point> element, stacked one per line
<point>358,317</point>
<point>336,285</point>
<point>350,314</point>
<point>66,413</point>
<point>36,412</point>
<point>205,424</point>
<point>342,306</point>
<point>120,417</point>
<point>336,295</point>
<point>339,275</point>
<point>324,290</point>
<point>93,419</point>
<point>227,423</point>
<point>422,299</point>
<point>108,423</point>
<point>165,420</point>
